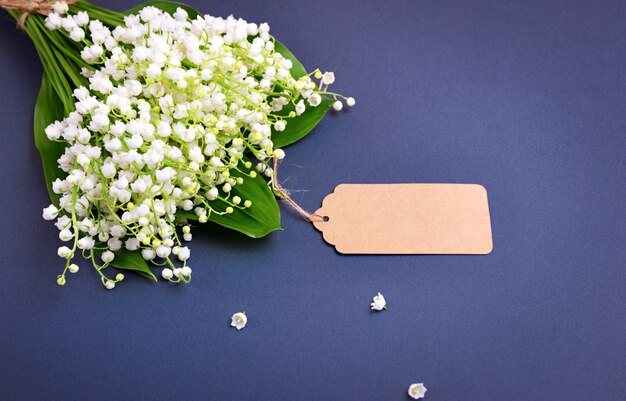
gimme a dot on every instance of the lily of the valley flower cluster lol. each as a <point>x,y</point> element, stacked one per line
<point>171,107</point>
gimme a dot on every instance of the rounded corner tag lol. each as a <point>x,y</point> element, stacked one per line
<point>406,219</point>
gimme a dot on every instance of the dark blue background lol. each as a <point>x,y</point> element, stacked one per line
<point>527,98</point>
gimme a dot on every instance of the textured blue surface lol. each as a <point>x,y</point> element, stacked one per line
<point>527,98</point>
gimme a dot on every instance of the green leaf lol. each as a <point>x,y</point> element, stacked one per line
<point>297,69</point>
<point>48,109</point>
<point>298,127</point>
<point>258,220</point>
<point>132,260</point>
<point>167,6</point>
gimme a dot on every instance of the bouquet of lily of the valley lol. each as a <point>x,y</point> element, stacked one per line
<point>159,118</point>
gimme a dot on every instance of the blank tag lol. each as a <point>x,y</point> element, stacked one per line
<point>407,219</point>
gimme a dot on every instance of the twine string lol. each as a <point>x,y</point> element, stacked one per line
<point>28,7</point>
<point>284,194</point>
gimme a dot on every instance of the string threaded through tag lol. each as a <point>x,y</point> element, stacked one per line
<point>284,194</point>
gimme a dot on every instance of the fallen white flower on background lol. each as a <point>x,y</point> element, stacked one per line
<point>417,391</point>
<point>379,302</point>
<point>239,320</point>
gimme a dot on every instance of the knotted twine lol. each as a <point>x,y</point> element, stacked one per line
<point>28,7</point>
<point>284,194</point>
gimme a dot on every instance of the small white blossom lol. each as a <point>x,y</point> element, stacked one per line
<point>379,302</point>
<point>64,252</point>
<point>417,391</point>
<point>60,7</point>
<point>337,106</point>
<point>86,243</point>
<point>148,254</point>
<point>315,100</point>
<point>114,244</point>
<point>53,21</point>
<point>300,107</point>
<point>350,101</point>
<point>163,251</point>
<point>66,235</point>
<point>77,34</point>
<point>167,273</point>
<point>280,125</point>
<point>81,18</point>
<point>108,170</point>
<point>63,222</point>
<point>239,320</point>
<point>212,194</point>
<point>279,154</point>
<point>148,13</point>
<point>180,14</point>
<point>328,78</point>
<point>107,256</point>
<point>53,131</point>
<point>50,213</point>
<point>132,244</point>
<point>183,253</point>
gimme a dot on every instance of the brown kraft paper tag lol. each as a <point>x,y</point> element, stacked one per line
<point>407,219</point>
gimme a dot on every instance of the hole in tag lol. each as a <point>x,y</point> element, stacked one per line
<point>319,218</point>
